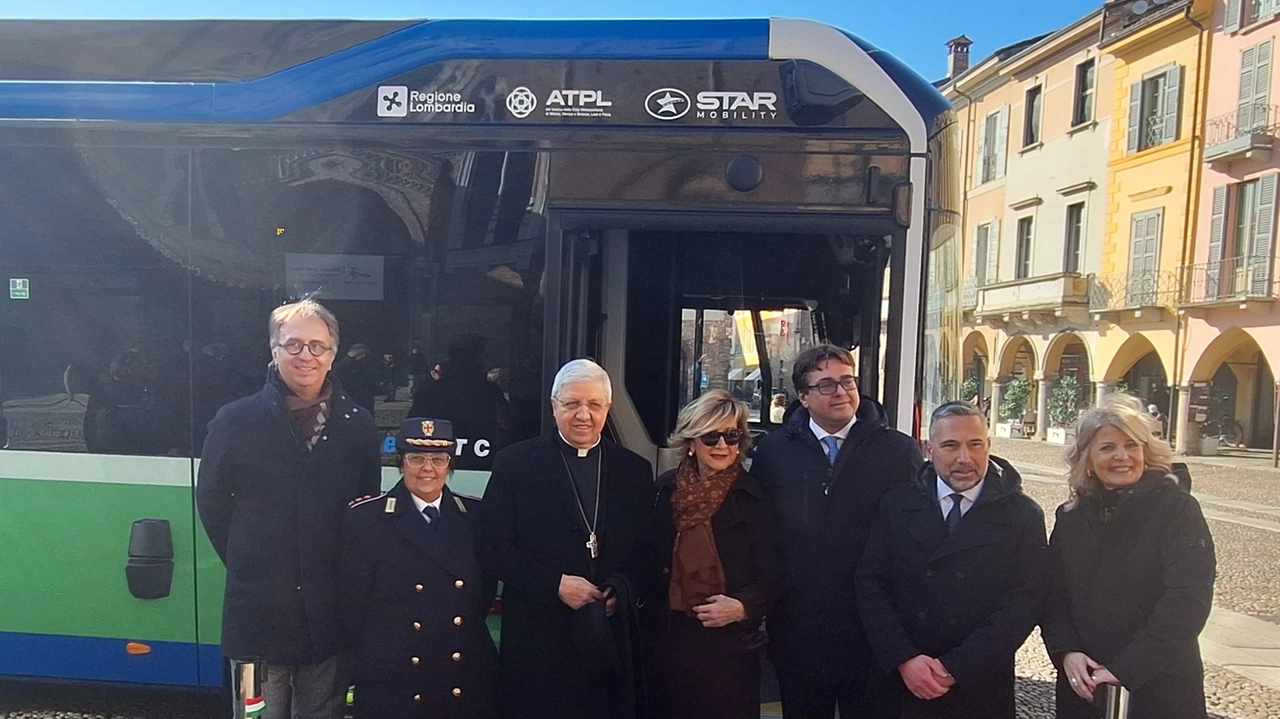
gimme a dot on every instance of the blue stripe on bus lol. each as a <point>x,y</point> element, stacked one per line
<point>367,64</point>
<point>97,659</point>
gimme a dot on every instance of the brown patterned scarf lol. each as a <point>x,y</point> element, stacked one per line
<point>696,572</point>
<point>310,417</point>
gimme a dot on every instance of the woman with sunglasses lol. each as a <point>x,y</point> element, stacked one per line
<point>415,601</point>
<point>704,641</point>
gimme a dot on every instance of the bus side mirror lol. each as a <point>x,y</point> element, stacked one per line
<point>814,95</point>
<point>150,567</point>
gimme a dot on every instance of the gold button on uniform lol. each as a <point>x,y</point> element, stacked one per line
<point>457,621</point>
<point>416,661</point>
<point>457,656</point>
<point>457,692</point>
<point>417,698</point>
<point>418,588</point>
<point>459,584</point>
<point>417,626</point>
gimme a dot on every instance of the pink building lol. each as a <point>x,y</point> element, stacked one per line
<point>1230,317</point>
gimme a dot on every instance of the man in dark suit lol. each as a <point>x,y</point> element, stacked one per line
<point>824,474</point>
<point>949,585</point>
<point>414,598</point>
<point>566,527</point>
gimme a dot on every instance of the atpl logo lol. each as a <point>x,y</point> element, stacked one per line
<point>667,103</point>
<point>522,102</point>
<point>393,101</point>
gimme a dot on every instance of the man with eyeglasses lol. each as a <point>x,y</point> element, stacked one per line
<point>824,473</point>
<point>565,526</point>
<point>276,474</point>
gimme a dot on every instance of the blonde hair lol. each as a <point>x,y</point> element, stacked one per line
<point>709,413</point>
<point>1125,413</point>
<point>305,307</point>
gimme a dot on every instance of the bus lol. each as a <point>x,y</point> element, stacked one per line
<point>692,203</point>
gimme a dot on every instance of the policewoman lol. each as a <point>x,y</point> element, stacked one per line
<point>414,598</point>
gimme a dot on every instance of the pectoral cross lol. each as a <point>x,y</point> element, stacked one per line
<point>593,545</point>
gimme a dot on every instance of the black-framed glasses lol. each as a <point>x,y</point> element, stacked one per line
<point>731,437</point>
<point>418,460</point>
<point>315,347</point>
<point>828,386</point>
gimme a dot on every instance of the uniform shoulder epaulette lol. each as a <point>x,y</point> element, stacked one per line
<point>462,506</point>
<point>366,499</point>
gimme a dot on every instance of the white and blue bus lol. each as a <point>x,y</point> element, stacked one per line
<point>690,202</point>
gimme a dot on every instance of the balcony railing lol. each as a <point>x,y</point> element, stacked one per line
<point>1048,292</point>
<point>1251,128</point>
<point>1132,290</point>
<point>1237,278</point>
<point>969,295</point>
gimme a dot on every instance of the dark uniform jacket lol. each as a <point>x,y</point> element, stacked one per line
<point>968,599</point>
<point>530,532</point>
<point>824,515</point>
<point>273,512</point>
<point>414,608</point>
<point>1132,584</point>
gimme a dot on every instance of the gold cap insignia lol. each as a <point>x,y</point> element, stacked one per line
<point>429,428</point>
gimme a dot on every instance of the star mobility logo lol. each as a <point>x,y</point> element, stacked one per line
<point>667,103</point>
<point>393,101</point>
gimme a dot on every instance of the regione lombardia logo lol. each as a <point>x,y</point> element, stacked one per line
<point>393,101</point>
<point>522,102</point>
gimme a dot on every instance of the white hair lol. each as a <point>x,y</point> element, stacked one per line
<point>581,370</point>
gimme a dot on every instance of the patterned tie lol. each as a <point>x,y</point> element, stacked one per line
<point>433,515</point>
<point>833,448</point>
<point>953,516</point>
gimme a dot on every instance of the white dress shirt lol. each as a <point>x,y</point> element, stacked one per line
<point>967,497</point>
<point>822,434</point>
<point>421,505</point>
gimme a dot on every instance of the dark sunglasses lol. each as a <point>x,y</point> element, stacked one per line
<point>731,437</point>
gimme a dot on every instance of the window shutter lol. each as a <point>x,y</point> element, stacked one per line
<point>1217,233</point>
<point>974,254</point>
<point>1171,104</point>
<point>1244,103</point>
<point>1261,86</point>
<point>1264,232</point>
<point>1002,140</point>
<point>1232,20</point>
<point>993,252</point>
<point>1135,116</point>
<point>982,152</point>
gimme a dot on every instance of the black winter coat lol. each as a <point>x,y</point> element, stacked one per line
<point>414,607</point>
<point>1132,576</point>
<point>273,512</point>
<point>530,532</point>
<point>968,599</point>
<point>824,515</point>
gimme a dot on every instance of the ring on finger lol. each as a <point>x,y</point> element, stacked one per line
<point>1074,681</point>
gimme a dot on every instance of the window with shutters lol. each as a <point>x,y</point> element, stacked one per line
<point>1144,258</point>
<point>1074,240</point>
<point>1244,13</point>
<point>1155,106</point>
<point>1242,238</point>
<point>982,245</point>
<point>1022,260</point>
<point>1032,110</point>
<point>991,147</point>
<point>1086,79</point>
<point>1253,112</point>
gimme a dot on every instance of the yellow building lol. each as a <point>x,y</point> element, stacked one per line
<point>1078,219</point>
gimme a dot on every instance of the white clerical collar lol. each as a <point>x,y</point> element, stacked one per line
<point>820,433</point>
<point>581,452</point>
<point>421,504</point>
<point>970,494</point>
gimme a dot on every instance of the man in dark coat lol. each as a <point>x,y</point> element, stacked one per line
<point>565,520</point>
<point>950,584</point>
<point>414,598</point>
<point>276,474</point>
<point>824,474</point>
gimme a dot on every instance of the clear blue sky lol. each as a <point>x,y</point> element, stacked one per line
<point>914,30</point>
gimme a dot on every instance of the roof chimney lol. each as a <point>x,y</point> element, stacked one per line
<point>958,56</point>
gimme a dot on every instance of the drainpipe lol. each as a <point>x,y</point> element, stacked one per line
<point>1189,222</point>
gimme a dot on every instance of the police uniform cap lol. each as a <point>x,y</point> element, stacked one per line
<point>420,434</point>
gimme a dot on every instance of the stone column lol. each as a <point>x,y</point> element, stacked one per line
<point>1042,408</point>
<point>1102,389</point>
<point>1182,429</point>
<point>997,394</point>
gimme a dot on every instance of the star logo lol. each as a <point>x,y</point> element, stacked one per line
<point>667,104</point>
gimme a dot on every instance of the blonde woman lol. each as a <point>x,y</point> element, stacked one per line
<point>1133,564</point>
<point>704,640</point>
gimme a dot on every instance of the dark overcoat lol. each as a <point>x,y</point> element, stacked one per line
<point>273,512</point>
<point>746,544</point>
<point>969,598</point>
<point>414,608</point>
<point>1132,576</point>
<point>531,532</point>
<point>824,515</point>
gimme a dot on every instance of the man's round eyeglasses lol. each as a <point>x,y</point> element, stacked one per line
<point>315,347</point>
<point>828,387</point>
<point>572,406</point>
<point>435,459</point>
